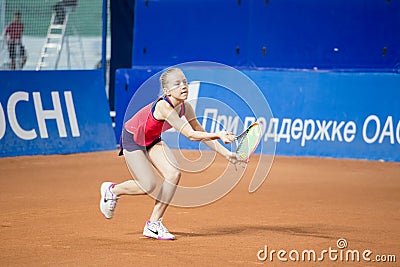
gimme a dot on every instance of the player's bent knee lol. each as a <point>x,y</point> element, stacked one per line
<point>149,187</point>
<point>174,177</point>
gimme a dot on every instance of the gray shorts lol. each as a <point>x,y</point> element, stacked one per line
<point>127,142</point>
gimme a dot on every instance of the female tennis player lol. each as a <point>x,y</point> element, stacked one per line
<point>146,153</point>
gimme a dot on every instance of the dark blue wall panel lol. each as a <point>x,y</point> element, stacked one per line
<point>328,34</point>
<point>175,31</point>
<point>332,34</point>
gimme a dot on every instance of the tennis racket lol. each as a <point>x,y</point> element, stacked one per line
<point>248,141</point>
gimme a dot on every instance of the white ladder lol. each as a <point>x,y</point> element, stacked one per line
<point>53,45</point>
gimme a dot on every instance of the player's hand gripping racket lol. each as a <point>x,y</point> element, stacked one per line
<point>247,142</point>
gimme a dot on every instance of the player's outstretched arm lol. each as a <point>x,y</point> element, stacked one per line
<point>213,144</point>
<point>166,112</point>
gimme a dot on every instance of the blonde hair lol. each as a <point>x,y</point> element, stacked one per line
<point>165,74</point>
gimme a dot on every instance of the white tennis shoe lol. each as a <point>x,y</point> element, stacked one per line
<point>157,230</point>
<point>108,200</point>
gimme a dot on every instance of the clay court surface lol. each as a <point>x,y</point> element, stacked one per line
<point>50,214</point>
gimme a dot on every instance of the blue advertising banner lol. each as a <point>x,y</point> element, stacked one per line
<point>333,114</point>
<point>53,112</point>
<point>308,113</point>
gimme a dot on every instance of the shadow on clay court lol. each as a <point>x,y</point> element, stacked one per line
<point>312,231</point>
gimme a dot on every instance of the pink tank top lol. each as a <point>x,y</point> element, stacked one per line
<point>144,127</point>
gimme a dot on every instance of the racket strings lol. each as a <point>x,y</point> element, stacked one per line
<point>249,142</point>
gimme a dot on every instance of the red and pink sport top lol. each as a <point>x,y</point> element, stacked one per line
<point>144,127</point>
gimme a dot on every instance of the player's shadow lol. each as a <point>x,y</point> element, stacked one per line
<point>311,231</point>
